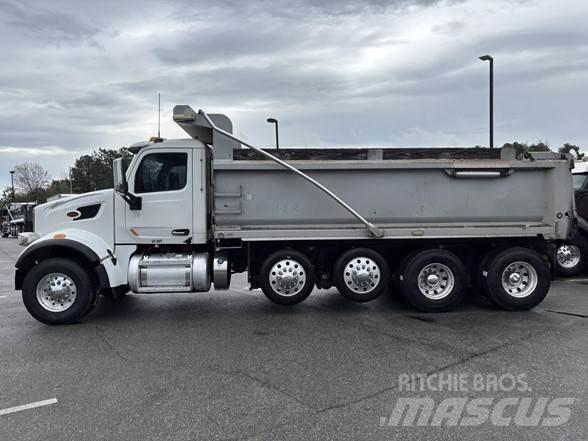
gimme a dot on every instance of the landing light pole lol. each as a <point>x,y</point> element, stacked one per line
<point>12,180</point>
<point>275,121</point>
<point>491,60</point>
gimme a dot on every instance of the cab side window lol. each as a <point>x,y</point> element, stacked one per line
<point>161,172</point>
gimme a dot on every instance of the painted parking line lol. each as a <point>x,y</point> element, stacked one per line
<point>3,297</point>
<point>28,406</point>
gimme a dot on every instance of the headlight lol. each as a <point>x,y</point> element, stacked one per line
<point>25,239</point>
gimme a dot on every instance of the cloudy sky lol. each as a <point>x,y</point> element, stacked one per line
<point>79,74</point>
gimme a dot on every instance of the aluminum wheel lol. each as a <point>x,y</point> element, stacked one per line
<point>436,281</point>
<point>568,256</point>
<point>287,277</point>
<point>56,292</point>
<point>362,275</point>
<point>519,279</point>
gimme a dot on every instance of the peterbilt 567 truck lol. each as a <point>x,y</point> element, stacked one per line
<point>188,213</point>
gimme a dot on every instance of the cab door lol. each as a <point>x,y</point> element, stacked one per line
<point>163,182</point>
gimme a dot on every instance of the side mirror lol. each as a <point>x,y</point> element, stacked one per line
<point>121,186</point>
<point>120,182</point>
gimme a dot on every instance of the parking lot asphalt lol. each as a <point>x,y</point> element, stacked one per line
<point>232,365</point>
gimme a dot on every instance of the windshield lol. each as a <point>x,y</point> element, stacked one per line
<point>579,181</point>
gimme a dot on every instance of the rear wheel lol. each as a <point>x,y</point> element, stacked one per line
<point>479,277</point>
<point>569,260</point>
<point>361,274</point>
<point>432,280</point>
<point>58,291</point>
<point>517,279</point>
<point>287,277</point>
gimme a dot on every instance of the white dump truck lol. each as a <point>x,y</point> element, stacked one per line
<point>188,213</point>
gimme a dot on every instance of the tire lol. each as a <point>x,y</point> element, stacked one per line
<point>479,277</point>
<point>107,293</point>
<point>287,277</point>
<point>361,274</point>
<point>517,279</point>
<point>445,288</point>
<point>57,272</point>
<point>569,259</point>
<point>93,303</point>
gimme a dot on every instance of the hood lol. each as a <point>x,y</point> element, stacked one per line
<point>89,211</point>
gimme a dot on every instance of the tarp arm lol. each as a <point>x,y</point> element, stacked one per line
<point>373,230</point>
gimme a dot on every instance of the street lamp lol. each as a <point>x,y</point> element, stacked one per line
<point>491,60</point>
<point>12,179</point>
<point>275,121</point>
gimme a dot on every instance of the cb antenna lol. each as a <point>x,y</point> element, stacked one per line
<point>159,115</point>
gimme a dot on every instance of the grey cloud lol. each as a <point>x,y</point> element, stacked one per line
<point>51,25</point>
<point>538,39</point>
<point>335,73</point>
<point>309,9</point>
<point>230,85</point>
<point>231,42</point>
<point>453,27</point>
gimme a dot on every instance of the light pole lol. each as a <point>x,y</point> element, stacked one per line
<point>12,180</point>
<point>275,121</point>
<point>491,60</point>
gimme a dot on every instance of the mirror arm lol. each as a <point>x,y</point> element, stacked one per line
<point>135,202</point>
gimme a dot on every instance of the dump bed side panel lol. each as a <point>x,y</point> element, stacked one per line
<point>535,198</point>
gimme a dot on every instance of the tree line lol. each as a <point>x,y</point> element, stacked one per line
<point>32,183</point>
<point>94,172</point>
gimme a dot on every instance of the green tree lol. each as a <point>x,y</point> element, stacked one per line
<point>94,171</point>
<point>520,148</point>
<point>568,148</point>
<point>539,147</point>
<point>6,197</point>
<point>57,186</point>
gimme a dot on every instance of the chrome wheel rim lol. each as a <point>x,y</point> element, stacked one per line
<point>436,281</point>
<point>56,292</point>
<point>519,279</point>
<point>362,275</point>
<point>568,256</point>
<point>287,277</point>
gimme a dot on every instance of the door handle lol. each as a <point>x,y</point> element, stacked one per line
<point>181,232</point>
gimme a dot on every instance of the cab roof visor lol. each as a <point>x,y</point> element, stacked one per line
<point>197,127</point>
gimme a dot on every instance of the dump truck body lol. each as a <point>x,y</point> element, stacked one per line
<point>412,198</point>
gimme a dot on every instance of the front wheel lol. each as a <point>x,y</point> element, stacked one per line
<point>569,260</point>
<point>58,291</point>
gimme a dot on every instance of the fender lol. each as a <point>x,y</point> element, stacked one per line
<point>90,247</point>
